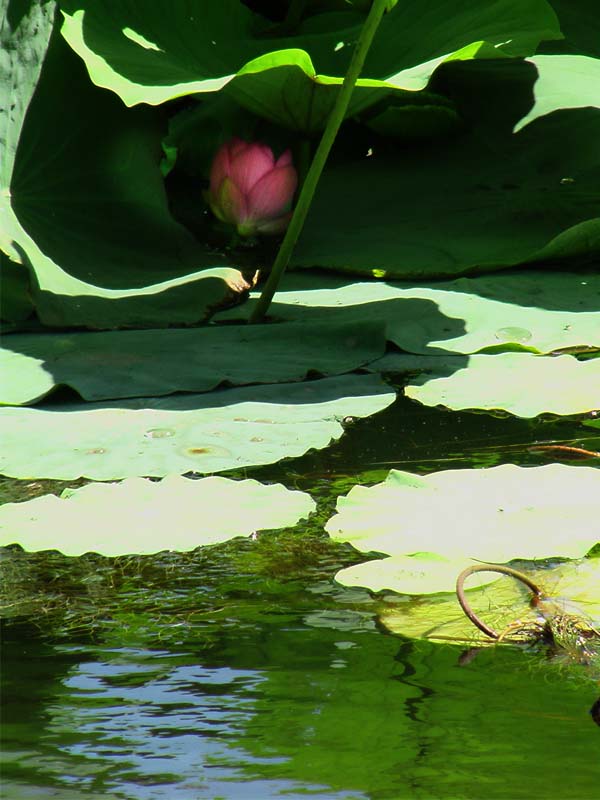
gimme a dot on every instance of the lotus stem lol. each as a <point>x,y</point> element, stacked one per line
<point>464,604</point>
<point>307,191</point>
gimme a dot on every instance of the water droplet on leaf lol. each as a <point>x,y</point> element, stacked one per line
<point>159,433</point>
<point>521,335</point>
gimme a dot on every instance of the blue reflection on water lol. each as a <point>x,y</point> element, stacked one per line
<point>152,724</point>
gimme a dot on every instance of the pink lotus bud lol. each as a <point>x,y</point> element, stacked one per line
<point>250,189</point>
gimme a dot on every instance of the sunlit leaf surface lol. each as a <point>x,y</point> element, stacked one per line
<point>537,311</point>
<point>496,514</point>
<point>141,516</point>
<point>212,432</point>
<point>422,573</point>
<point>564,81</point>
<point>524,384</point>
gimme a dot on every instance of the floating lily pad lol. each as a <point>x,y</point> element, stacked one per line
<point>573,587</point>
<point>139,516</point>
<point>227,429</point>
<point>414,574</point>
<point>540,312</point>
<point>576,587</point>
<point>521,383</point>
<point>497,514</point>
<point>118,364</point>
<point>441,617</point>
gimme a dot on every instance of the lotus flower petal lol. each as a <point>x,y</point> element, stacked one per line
<point>249,166</point>
<point>219,170</point>
<point>230,204</point>
<point>285,159</point>
<point>272,195</point>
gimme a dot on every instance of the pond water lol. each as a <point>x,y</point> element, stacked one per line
<point>243,671</point>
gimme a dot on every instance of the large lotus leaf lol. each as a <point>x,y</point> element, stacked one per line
<point>142,516</point>
<point>414,115</point>
<point>573,587</point>
<point>474,204</point>
<point>283,87</point>
<point>232,428</point>
<point>112,364</point>
<point>83,205</point>
<point>14,290</point>
<point>521,383</point>
<point>541,312</point>
<point>19,72</point>
<point>450,30</point>
<point>152,54</point>
<point>497,514</point>
<point>61,299</point>
<point>441,618</point>
<point>20,68</point>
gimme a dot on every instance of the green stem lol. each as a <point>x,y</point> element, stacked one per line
<point>336,118</point>
<point>303,159</point>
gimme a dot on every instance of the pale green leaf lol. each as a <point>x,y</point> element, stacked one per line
<point>497,514</point>
<point>228,429</point>
<point>564,81</point>
<point>421,573</point>
<point>523,384</point>
<point>573,588</point>
<point>530,310</point>
<point>139,516</point>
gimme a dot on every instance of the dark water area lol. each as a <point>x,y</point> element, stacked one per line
<point>243,671</point>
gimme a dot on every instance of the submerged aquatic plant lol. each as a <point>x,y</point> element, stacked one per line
<point>251,189</point>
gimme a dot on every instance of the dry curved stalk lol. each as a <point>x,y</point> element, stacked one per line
<point>464,603</point>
